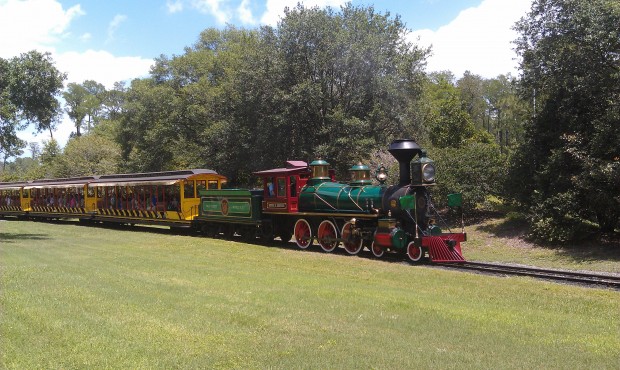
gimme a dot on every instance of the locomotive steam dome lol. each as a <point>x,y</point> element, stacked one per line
<point>320,171</point>
<point>360,175</point>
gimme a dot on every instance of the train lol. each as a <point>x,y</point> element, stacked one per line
<point>301,202</point>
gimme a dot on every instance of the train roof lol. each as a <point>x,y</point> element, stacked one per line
<point>151,178</point>
<point>146,178</point>
<point>292,167</point>
<point>13,185</point>
<point>59,183</point>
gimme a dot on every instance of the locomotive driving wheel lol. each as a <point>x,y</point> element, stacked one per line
<point>303,233</point>
<point>327,236</point>
<point>352,240</point>
<point>414,252</point>
<point>376,250</point>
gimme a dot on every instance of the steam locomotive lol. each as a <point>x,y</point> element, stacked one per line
<point>299,200</point>
<point>307,203</point>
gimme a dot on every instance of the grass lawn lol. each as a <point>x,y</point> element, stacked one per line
<point>503,240</point>
<point>86,297</point>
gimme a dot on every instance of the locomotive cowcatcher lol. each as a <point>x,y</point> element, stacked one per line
<point>307,203</point>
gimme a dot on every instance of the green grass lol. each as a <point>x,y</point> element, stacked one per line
<point>503,240</point>
<point>85,297</point>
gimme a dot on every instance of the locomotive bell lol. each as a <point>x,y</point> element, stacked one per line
<point>404,150</point>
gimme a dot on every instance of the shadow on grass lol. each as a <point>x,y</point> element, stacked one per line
<point>603,248</point>
<point>509,228</point>
<point>597,248</point>
<point>10,237</point>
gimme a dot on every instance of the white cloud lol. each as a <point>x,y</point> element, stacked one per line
<point>224,12</point>
<point>42,25</point>
<point>113,26</point>
<point>38,23</point>
<point>101,66</point>
<point>174,6</point>
<point>245,13</point>
<point>275,8</point>
<point>86,37</point>
<point>478,39</point>
<point>213,7</point>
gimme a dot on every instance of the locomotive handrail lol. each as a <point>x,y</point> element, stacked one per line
<point>432,206</point>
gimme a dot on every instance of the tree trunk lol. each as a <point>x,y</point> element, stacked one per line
<point>607,221</point>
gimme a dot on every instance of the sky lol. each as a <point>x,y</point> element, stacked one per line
<point>117,40</point>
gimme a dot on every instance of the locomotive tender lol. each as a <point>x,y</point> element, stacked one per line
<point>307,203</point>
<point>298,200</point>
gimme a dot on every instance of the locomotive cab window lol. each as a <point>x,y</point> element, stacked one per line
<point>270,187</point>
<point>281,187</point>
<point>293,185</point>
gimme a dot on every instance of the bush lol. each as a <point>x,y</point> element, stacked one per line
<point>556,219</point>
<point>476,170</point>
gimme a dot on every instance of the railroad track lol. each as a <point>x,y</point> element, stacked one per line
<point>590,279</point>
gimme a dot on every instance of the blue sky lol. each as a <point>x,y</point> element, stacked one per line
<point>150,28</point>
<point>115,40</point>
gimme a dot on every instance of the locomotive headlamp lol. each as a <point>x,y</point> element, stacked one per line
<point>428,172</point>
<point>423,170</point>
<point>381,174</point>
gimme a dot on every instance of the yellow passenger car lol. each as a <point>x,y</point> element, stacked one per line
<point>170,198</point>
<point>58,198</point>
<point>165,198</point>
<point>14,201</point>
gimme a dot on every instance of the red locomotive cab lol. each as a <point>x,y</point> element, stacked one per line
<point>281,186</point>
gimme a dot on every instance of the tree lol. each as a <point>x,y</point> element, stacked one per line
<point>349,79</point>
<point>112,101</point>
<point>468,159</point>
<point>570,63</point>
<point>75,104</point>
<point>93,105</point>
<point>323,82</point>
<point>50,166</point>
<point>83,104</point>
<point>506,111</point>
<point>450,125</point>
<point>35,83</point>
<point>28,88</point>
<point>10,144</point>
<point>495,106</point>
<point>476,170</point>
<point>35,149</point>
<point>89,155</point>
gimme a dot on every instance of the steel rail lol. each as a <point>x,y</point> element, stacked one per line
<point>593,279</point>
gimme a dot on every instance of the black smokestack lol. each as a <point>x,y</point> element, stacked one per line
<point>404,150</point>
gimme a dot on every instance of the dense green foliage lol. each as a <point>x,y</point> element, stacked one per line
<point>322,83</point>
<point>468,158</point>
<point>475,170</point>
<point>568,170</point>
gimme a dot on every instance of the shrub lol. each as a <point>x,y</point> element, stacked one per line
<point>476,170</point>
